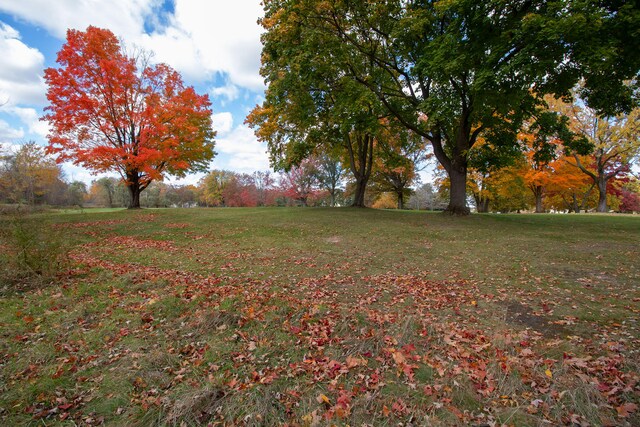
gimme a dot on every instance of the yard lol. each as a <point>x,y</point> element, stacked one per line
<point>272,316</point>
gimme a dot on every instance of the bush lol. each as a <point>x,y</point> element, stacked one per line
<point>33,252</point>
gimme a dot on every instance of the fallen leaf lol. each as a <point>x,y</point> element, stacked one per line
<point>627,409</point>
<point>323,399</point>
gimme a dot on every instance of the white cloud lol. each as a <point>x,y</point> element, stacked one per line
<point>78,173</point>
<point>8,133</point>
<point>30,117</point>
<point>175,47</point>
<point>8,32</point>
<point>222,123</point>
<point>201,39</point>
<point>21,71</point>
<point>124,17</point>
<point>245,153</point>
<point>191,179</point>
<point>205,38</point>
<point>7,147</point>
<point>229,92</point>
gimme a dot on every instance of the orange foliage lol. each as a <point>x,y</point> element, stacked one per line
<point>113,112</point>
<point>385,201</point>
<point>568,188</point>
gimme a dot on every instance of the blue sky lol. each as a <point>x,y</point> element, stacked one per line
<point>214,44</point>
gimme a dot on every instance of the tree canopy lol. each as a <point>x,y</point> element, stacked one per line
<point>450,71</point>
<point>114,111</point>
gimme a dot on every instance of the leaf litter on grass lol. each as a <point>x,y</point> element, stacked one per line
<point>337,348</point>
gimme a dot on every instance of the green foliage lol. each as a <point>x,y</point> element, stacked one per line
<point>451,71</point>
<point>608,47</point>
<point>76,193</point>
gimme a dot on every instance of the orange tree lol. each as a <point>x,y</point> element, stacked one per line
<point>542,141</point>
<point>537,157</point>
<point>110,111</point>
<point>567,187</point>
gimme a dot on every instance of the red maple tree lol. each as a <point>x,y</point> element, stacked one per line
<point>111,111</point>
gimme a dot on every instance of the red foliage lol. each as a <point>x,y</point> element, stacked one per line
<point>630,201</point>
<point>300,184</point>
<point>113,112</point>
<point>240,192</point>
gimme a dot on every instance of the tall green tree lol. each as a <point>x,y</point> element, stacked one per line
<point>76,193</point>
<point>453,71</point>
<point>312,105</point>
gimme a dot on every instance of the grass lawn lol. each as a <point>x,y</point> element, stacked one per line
<point>325,316</point>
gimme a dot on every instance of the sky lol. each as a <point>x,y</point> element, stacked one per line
<point>214,44</point>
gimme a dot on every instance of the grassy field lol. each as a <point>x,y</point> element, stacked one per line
<point>325,317</point>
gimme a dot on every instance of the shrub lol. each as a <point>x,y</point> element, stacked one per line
<point>33,252</point>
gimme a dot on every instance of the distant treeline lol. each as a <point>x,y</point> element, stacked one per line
<point>29,176</point>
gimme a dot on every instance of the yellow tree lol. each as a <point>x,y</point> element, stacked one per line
<point>211,187</point>
<point>487,161</point>
<point>616,143</point>
<point>504,188</point>
<point>399,154</point>
<point>478,184</point>
<point>510,191</point>
<point>30,176</point>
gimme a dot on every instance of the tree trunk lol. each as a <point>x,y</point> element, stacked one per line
<point>134,193</point>
<point>602,195</point>
<point>400,200</point>
<point>585,197</point>
<point>133,184</point>
<point>361,161</point>
<point>538,191</point>
<point>358,196</point>
<point>574,201</point>
<point>456,167</point>
<point>458,191</point>
<point>484,205</point>
<point>569,205</point>
<point>600,178</point>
